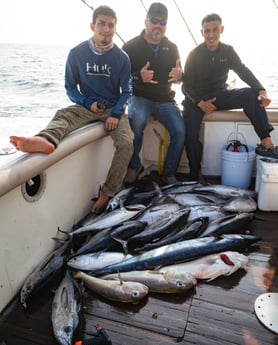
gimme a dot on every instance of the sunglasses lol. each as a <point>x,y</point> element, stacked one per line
<point>154,21</point>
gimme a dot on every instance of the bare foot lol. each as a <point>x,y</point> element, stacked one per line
<point>100,203</point>
<point>267,142</point>
<point>32,144</point>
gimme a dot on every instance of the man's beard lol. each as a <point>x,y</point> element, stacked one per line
<point>156,35</point>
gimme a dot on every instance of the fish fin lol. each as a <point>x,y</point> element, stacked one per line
<point>120,278</point>
<point>216,237</point>
<point>123,244</point>
<point>59,240</point>
<point>212,277</point>
<point>122,207</point>
<point>64,232</point>
<point>100,252</point>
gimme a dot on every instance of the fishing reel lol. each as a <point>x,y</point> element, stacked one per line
<point>101,104</point>
<point>235,145</point>
<point>100,337</point>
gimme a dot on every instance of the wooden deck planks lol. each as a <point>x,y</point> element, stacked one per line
<point>165,316</point>
<point>220,312</point>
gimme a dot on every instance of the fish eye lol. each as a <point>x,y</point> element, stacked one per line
<point>135,294</point>
<point>67,329</point>
<point>180,284</point>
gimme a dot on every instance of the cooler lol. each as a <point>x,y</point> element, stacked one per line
<point>267,183</point>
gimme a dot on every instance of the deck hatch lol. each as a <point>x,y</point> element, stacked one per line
<point>33,189</point>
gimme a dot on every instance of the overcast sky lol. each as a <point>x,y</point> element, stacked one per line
<point>58,21</point>
<point>251,26</point>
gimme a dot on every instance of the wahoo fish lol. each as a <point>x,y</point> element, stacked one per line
<point>48,268</point>
<point>127,292</point>
<point>66,310</point>
<point>157,281</point>
<point>94,261</point>
<point>211,266</point>
<point>180,252</point>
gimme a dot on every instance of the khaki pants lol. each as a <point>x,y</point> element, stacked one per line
<point>73,117</point>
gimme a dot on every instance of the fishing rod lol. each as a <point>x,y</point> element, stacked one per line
<point>275,4</point>
<point>186,22</point>
<point>91,7</point>
<point>142,3</point>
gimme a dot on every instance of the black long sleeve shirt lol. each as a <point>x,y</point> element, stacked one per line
<point>161,62</point>
<point>206,71</point>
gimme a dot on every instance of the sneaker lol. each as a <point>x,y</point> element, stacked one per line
<point>133,174</point>
<point>193,177</point>
<point>272,152</point>
<point>198,178</point>
<point>167,180</point>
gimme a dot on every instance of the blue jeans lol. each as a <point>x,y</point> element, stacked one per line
<point>168,114</point>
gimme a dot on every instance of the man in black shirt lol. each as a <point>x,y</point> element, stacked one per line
<point>205,89</point>
<point>155,66</point>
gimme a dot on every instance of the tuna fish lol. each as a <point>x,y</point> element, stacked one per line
<point>210,211</point>
<point>109,219</point>
<point>158,212</point>
<point>43,273</point>
<point>95,261</point>
<point>240,204</point>
<point>194,199</point>
<point>225,192</point>
<point>67,310</point>
<point>120,198</point>
<point>109,238</point>
<point>230,224</point>
<point>161,228</point>
<point>191,230</point>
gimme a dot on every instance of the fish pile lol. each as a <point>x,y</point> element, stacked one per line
<point>161,241</point>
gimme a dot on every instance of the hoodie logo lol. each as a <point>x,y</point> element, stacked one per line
<point>95,69</point>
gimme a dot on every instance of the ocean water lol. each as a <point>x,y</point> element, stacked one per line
<point>32,85</point>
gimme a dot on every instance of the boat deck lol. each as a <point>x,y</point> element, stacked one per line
<point>220,312</point>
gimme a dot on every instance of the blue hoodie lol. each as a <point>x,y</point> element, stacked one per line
<point>90,77</point>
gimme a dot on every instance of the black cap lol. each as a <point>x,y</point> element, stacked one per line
<point>157,8</point>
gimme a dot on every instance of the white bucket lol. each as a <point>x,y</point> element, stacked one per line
<point>237,167</point>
